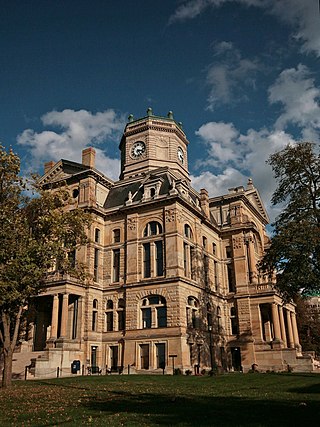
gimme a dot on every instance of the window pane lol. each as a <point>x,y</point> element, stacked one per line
<point>146,260</point>
<point>109,319</point>
<point>96,264</point>
<point>121,320</point>
<point>162,317</point>
<point>159,258</point>
<point>146,318</point>
<point>116,235</point>
<point>116,265</point>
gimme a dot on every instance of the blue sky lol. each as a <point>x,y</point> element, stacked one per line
<point>243,77</point>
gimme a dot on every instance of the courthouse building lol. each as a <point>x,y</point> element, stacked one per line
<point>173,273</point>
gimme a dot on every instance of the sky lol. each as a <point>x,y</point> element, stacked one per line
<point>241,75</point>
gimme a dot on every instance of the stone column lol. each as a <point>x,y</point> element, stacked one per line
<point>291,339</point>
<point>54,318</point>
<point>64,315</point>
<point>283,327</point>
<point>295,329</point>
<point>275,321</point>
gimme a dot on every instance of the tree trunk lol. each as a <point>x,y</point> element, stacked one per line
<point>7,371</point>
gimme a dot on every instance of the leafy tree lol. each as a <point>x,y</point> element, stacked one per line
<point>34,233</point>
<point>295,246</point>
<point>308,318</point>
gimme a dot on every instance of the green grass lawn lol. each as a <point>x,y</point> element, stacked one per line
<point>226,400</point>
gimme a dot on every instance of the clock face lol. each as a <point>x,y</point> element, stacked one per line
<point>138,149</point>
<point>180,155</point>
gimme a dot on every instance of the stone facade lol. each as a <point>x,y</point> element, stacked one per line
<point>173,273</point>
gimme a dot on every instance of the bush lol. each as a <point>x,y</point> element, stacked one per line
<point>177,371</point>
<point>188,372</point>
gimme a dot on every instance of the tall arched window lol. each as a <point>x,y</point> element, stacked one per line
<point>154,312</point>
<point>153,250</point>
<point>219,318</point>
<point>192,312</point>
<point>109,315</point>
<point>189,253</point>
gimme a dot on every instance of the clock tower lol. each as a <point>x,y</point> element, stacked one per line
<point>153,142</point>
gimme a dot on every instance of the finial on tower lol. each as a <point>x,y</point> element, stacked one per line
<point>149,111</point>
<point>130,118</point>
<point>170,115</point>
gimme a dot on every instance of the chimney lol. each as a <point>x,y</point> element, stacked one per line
<point>48,166</point>
<point>204,201</point>
<point>89,157</point>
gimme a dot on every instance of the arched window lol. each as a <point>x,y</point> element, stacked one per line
<point>97,235</point>
<point>94,315</point>
<point>121,314</point>
<point>153,251</point>
<point>189,254</point>
<point>154,312</point>
<point>109,304</point>
<point>109,315</point>
<point>116,235</point>
<point>152,229</point>
<point>192,312</point>
<point>188,231</point>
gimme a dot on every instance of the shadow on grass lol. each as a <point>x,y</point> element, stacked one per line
<point>310,389</point>
<point>206,411</point>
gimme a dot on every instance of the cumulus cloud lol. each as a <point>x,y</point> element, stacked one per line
<point>230,76</point>
<point>243,156</point>
<point>71,131</point>
<point>303,15</point>
<point>295,89</point>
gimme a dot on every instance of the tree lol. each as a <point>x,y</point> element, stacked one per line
<point>34,233</point>
<point>308,317</point>
<point>295,246</point>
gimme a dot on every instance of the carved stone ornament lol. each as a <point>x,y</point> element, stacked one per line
<point>132,224</point>
<point>237,242</point>
<point>170,215</point>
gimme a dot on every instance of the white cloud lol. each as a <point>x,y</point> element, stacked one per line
<point>72,131</point>
<point>230,75</point>
<point>238,157</point>
<point>295,89</point>
<point>303,15</point>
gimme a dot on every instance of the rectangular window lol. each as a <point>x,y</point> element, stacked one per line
<point>231,283</point>
<point>72,258</point>
<point>94,320</point>
<point>109,321</point>
<point>162,317</point>
<point>146,318</point>
<point>116,265</point>
<point>185,259</point>
<point>206,270</point>
<point>146,260</point>
<point>159,258</point>
<point>216,274</point>
<point>193,263</point>
<point>161,355</point>
<point>121,320</point>
<point>96,265</point>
